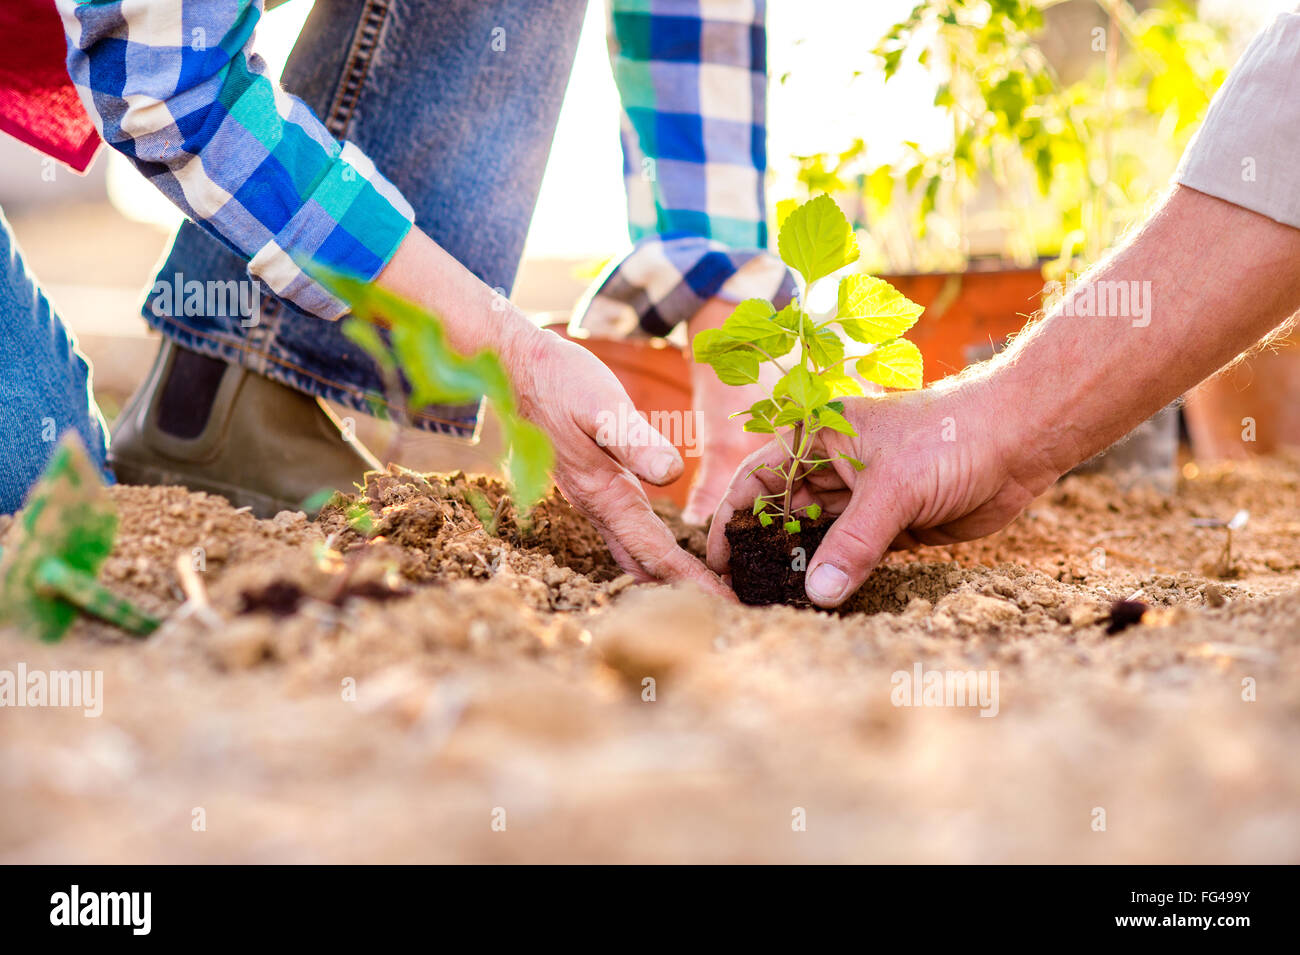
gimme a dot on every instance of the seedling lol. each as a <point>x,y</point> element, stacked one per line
<point>1223,566</point>
<point>417,348</point>
<point>815,240</point>
<point>63,535</point>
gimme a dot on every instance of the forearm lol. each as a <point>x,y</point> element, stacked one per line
<point>1220,278</point>
<point>473,315</point>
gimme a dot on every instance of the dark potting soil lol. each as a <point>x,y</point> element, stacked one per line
<point>768,563</point>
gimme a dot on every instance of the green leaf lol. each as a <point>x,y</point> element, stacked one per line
<point>841,384</point>
<point>759,426</point>
<point>765,520</point>
<point>736,368</point>
<point>857,465</point>
<point>895,364</point>
<point>817,239</point>
<point>803,388</point>
<point>824,347</point>
<point>791,318</point>
<point>529,463</point>
<point>751,320</point>
<point>828,417</point>
<point>732,360</point>
<point>367,337</point>
<point>790,414</point>
<point>872,311</point>
<point>792,527</point>
<point>813,511</point>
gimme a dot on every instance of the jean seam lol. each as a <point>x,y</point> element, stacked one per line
<point>356,68</point>
<point>338,118</point>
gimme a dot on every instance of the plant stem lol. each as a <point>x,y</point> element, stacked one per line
<point>799,440</point>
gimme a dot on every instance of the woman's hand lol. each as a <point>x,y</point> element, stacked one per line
<point>602,445</point>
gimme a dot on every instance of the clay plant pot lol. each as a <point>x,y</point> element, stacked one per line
<point>1251,408</point>
<point>968,315</point>
<point>768,563</point>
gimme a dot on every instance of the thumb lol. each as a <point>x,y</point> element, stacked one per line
<point>852,548</point>
<point>629,439</point>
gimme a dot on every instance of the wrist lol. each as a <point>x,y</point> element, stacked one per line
<point>1032,438</point>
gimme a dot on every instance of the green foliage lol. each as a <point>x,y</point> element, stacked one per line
<point>816,240</point>
<point>439,375</point>
<point>1075,159</point>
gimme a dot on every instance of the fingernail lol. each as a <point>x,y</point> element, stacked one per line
<point>662,466</point>
<point>827,583</point>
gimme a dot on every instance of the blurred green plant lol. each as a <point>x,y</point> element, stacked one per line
<point>1073,163</point>
<point>417,351</point>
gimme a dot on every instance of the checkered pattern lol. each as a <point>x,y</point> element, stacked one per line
<point>178,90</point>
<point>692,75</point>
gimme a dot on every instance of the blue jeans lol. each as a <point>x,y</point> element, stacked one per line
<point>45,383</point>
<point>456,102</point>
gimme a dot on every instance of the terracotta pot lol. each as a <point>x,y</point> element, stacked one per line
<point>1252,408</point>
<point>968,317</point>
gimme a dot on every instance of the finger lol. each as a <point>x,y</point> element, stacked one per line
<point>638,539</point>
<point>615,425</point>
<point>853,546</point>
<point>705,494</point>
<point>750,480</point>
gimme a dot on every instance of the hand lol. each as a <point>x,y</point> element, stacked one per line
<point>723,441</point>
<point>602,445</point>
<point>939,469</point>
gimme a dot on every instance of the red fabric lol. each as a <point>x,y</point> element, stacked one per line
<point>38,103</point>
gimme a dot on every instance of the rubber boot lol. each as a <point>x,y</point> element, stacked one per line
<point>208,425</point>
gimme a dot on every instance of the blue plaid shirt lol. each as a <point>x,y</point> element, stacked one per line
<point>692,77</point>
<point>255,167</point>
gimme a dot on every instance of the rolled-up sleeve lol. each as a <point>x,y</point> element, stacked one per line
<point>1247,151</point>
<point>175,86</point>
<point>692,77</point>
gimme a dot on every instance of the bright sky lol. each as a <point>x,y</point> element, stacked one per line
<point>813,47</point>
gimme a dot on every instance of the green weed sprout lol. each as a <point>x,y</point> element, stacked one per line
<point>439,375</point>
<point>816,240</point>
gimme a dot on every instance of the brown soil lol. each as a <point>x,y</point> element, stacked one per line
<point>400,697</point>
<point>768,563</point>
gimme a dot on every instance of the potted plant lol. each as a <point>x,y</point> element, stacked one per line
<point>770,543</point>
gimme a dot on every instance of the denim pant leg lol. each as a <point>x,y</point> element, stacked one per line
<point>456,102</point>
<point>45,382</point>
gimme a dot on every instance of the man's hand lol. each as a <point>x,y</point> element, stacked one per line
<point>723,441</point>
<point>1205,280</point>
<point>936,472</point>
